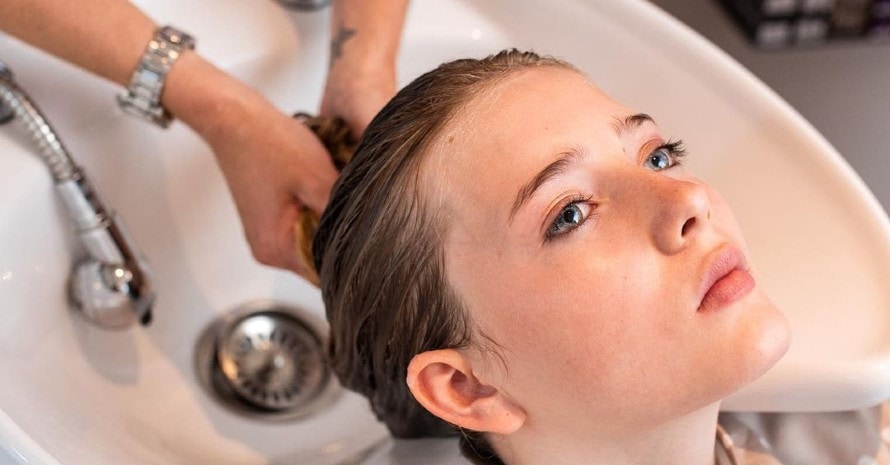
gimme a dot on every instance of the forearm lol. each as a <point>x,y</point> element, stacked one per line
<point>106,37</point>
<point>210,101</point>
<point>367,32</point>
<point>272,163</point>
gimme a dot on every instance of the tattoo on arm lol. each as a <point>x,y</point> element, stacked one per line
<point>343,34</point>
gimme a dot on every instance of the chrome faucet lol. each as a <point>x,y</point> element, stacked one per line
<point>112,285</point>
<point>304,5</point>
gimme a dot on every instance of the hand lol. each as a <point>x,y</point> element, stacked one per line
<point>357,93</point>
<point>274,165</point>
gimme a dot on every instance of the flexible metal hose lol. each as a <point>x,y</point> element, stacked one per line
<point>50,147</point>
<point>113,286</point>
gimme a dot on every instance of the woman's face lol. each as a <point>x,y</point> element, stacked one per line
<point>613,283</point>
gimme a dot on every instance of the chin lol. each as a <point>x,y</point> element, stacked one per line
<point>766,337</point>
<point>748,341</point>
<point>776,338</point>
<point>754,337</point>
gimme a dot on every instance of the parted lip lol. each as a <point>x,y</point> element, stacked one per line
<point>722,261</point>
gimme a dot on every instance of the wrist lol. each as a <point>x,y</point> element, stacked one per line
<point>358,62</point>
<point>361,70</point>
<point>143,92</point>
<point>207,99</point>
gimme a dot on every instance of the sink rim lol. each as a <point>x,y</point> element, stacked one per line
<point>712,60</point>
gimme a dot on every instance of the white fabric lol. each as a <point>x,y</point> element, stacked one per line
<point>860,437</point>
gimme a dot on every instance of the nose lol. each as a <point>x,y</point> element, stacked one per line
<point>682,212</point>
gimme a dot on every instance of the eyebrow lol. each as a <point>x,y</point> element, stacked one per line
<point>562,163</point>
<point>565,159</point>
<point>631,122</point>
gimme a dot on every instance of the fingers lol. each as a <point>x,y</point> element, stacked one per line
<point>358,113</point>
<point>362,119</point>
<point>273,165</point>
<point>357,95</point>
<point>275,244</point>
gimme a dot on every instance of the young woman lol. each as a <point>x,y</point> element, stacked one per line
<point>514,255</point>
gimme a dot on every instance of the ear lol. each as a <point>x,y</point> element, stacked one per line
<point>444,383</point>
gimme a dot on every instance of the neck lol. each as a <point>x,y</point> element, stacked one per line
<point>686,440</point>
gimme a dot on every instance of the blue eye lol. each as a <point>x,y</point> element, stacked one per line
<point>659,160</point>
<point>569,218</point>
<point>665,156</point>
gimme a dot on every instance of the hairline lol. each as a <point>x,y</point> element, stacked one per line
<point>426,185</point>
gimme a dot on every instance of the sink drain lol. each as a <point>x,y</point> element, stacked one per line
<point>266,360</point>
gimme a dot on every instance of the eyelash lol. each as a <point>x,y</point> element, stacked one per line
<point>677,150</point>
<point>568,202</point>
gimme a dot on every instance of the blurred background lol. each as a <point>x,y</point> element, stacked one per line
<point>830,59</point>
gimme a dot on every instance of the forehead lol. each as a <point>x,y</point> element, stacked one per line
<point>512,129</point>
<point>536,99</point>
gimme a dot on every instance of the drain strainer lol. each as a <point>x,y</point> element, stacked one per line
<point>266,359</point>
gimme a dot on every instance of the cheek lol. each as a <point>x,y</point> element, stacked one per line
<point>597,323</point>
<point>724,219</point>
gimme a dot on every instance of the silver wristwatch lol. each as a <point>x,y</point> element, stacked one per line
<point>143,95</point>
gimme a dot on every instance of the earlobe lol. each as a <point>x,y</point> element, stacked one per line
<point>443,382</point>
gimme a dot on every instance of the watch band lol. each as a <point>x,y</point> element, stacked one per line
<point>143,96</point>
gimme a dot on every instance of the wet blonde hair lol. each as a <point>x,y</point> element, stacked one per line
<point>380,254</point>
<point>336,137</point>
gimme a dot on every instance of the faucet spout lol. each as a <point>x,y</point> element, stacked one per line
<point>112,285</point>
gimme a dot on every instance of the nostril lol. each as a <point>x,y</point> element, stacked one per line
<point>146,318</point>
<point>689,224</point>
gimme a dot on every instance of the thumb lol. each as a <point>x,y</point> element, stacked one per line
<point>314,190</point>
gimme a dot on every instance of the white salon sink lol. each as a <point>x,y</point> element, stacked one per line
<point>72,394</point>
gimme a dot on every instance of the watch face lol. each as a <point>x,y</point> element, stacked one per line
<point>148,77</point>
<point>175,36</point>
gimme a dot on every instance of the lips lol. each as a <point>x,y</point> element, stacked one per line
<point>726,279</point>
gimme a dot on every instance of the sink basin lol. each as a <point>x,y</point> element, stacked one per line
<point>73,394</point>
